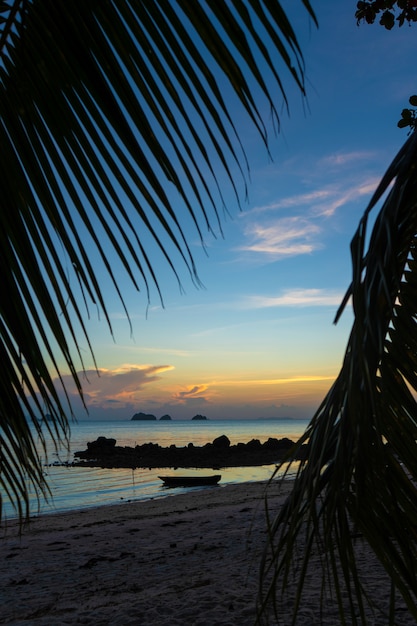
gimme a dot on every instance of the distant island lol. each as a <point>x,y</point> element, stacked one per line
<point>144,417</point>
<point>148,417</point>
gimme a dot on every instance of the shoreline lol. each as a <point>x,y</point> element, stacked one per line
<point>75,488</point>
<point>196,498</point>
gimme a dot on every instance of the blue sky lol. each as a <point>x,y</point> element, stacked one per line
<point>258,339</point>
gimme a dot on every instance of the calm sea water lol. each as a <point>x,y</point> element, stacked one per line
<point>74,488</point>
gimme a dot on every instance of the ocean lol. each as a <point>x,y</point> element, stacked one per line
<point>74,488</point>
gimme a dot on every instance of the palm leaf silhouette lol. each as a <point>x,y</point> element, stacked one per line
<point>116,138</point>
<point>358,478</point>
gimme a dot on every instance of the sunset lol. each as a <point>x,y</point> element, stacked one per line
<point>273,280</point>
<point>208,258</point>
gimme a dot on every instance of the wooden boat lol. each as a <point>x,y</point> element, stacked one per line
<point>190,481</point>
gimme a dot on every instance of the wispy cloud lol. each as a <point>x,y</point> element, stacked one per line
<point>295,298</point>
<point>300,232</point>
<point>283,237</point>
<point>324,201</point>
<point>340,159</point>
<point>296,201</point>
<point>341,197</point>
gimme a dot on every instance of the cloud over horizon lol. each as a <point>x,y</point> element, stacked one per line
<point>110,388</point>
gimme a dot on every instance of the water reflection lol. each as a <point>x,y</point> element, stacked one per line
<point>74,487</point>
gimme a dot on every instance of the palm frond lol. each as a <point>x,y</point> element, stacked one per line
<point>359,476</point>
<point>117,135</point>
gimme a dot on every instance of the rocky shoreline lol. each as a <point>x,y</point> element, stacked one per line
<point>220,453</point>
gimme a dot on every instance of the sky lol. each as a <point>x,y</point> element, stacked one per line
<point>257,339</point>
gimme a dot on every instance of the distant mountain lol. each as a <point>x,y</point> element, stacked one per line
<point>199,417</point>
<point>144,417</point>
<point>166,418</point>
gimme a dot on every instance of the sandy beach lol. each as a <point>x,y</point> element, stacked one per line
<point>183,560</point>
